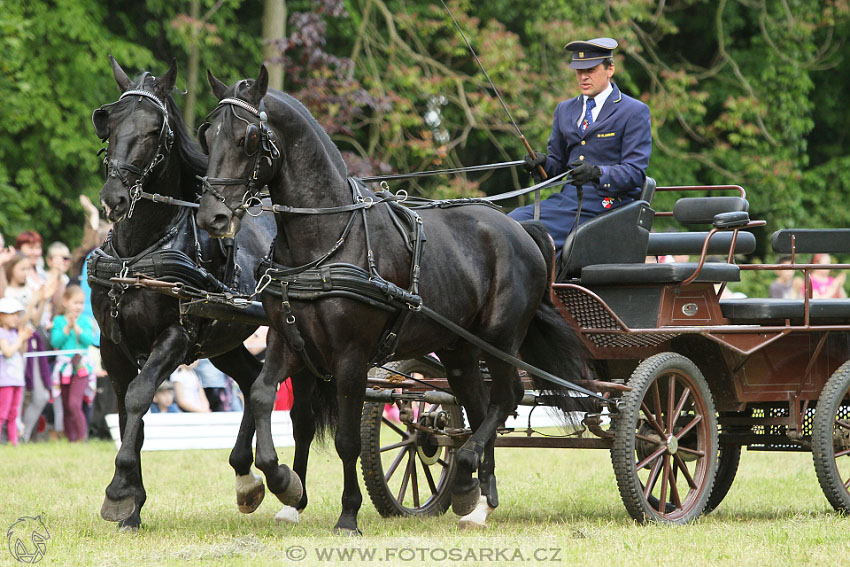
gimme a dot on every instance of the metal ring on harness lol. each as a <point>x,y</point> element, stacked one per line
<point>249,201</point>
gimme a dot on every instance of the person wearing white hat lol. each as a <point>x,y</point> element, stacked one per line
<point>13,343</point>
<point>602,137</point>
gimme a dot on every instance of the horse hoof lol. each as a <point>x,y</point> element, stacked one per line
<point>117,510</point>
<point>128,528</point>
<point>294,490</point>
<point>464,503</point>
<point>250,492</point>
<point>287,515</point>
<point>349,532</point>
<point>477,519</point>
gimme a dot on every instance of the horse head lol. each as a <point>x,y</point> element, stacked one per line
<point>243,153</point>
<point>139,136</point>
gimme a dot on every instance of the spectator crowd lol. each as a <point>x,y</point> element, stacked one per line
<point>50,372</point>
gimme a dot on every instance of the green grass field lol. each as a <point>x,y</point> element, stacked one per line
<point>557,506</point>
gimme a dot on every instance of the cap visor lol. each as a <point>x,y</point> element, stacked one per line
<point>587,64</point>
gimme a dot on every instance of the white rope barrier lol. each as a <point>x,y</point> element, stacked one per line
<point>39,353</point>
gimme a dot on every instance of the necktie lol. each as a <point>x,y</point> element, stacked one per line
<point>588,114</point>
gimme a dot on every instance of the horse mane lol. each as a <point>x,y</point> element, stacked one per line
<point>310,120</point>
<point>192,159</point>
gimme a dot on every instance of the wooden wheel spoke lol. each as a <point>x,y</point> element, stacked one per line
<point>654,441</point>
<point>665,477</point>
<point>842,453</point>
<point>685,472</point>
<point>847,484</point>
<point>674,488</point>
<point>656,395</point>
<point>671,403</point>
<point>681,403</point>
<point>406,478</point>
<point>429,478</point>
<point>689,426</point>
<point>692,451</point>
<point>843,423</point>
<point>654,455</point>
<point>386,448</point>
<point>652,479</point>
<point>391,471</point>
<point>394,427</point>
<point>414,480</point>
<point>651,420</point>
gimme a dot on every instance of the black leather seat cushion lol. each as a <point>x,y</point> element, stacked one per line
<point>760,309</point>
<point>673,272</point>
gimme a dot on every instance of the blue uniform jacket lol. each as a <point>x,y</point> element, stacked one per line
<point>619,141</point>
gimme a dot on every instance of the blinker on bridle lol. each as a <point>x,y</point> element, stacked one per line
<point>259,143</point>
<point>114,167</point>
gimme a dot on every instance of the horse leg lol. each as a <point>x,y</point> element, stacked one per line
<point>303,430</point>
<point>125,495</point>
<point>121,373</point>
<point>505,393</point>
<point>351,390</point>
<point>244,368</point>
<point>279,478</point>
<point>464,377</point>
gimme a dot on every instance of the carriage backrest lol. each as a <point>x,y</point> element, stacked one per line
<point>616,237</point>
<point>691,211</point>
<point>812,240</point>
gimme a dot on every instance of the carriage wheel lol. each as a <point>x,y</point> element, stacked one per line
<point>405,471</point>
<point>831,439</point>
<point>728,458</point>
<point>665,441</point>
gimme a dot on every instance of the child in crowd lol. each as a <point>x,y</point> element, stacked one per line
<point>14,333</point>
<point>73,331</point>
<point>18,270</point>
<point>163,399</point>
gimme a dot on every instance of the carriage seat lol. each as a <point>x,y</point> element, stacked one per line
<point>617,236</point>
<point>673,272</point>
<point>762,310</point>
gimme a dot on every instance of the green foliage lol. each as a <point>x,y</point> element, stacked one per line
<point>742,92</point>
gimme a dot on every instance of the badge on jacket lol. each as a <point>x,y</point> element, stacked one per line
<point>607,202</point>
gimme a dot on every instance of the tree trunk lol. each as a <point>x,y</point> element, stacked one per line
<point>274,28</point>
<point>192,70</point>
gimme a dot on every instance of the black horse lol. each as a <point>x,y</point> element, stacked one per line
<point>143,335</point>
<point>484,271</point>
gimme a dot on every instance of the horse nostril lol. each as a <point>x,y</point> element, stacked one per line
<point>220,221</point>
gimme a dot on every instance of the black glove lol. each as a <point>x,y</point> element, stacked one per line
<point>584,173</point>
<point>531,164</point>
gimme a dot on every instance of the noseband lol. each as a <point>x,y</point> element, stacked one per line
<point>116,168</point>
<point>260,142</point>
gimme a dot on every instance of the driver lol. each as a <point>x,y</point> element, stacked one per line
<point>602,135</point>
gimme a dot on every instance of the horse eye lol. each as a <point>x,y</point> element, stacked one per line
<point>241,142</point>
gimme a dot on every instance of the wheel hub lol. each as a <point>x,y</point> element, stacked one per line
<point>672,444</point>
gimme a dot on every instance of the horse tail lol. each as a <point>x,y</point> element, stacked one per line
<point>551,344</point>
<point>325,408</point>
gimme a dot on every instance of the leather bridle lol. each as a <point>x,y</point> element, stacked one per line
<point>260,142</point>
<point>117,168</point>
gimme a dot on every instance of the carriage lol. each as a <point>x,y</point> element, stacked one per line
<point>695,377</point>
<point>676,378</point>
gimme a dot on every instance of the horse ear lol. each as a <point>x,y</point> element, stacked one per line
<point>261,84</point>
<point>120,76</point>
<point>218,88</point>
<point>165,84</point>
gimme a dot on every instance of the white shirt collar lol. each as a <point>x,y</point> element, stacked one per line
<point>599,99</point>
